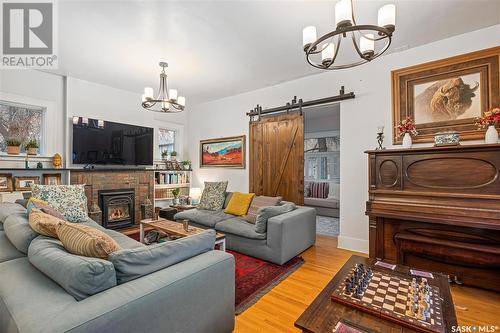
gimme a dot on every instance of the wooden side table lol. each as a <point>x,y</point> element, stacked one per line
<point>177,229</point>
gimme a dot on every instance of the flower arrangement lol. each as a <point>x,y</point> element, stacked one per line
<point>489,118</point>
<point>407,126</point>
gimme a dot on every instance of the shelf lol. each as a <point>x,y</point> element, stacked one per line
<point>171,185</point>
<point>171,171</point>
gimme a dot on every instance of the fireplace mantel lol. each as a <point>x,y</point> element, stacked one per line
<point>438,209</point>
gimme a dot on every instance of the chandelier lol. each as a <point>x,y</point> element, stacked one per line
<point>167,100</point>
<point>328,45</point>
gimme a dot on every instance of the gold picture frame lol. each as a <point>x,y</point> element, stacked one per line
<point>6,182</point>
<point>52,179</point>
<point>23,183</point>
<point>447,95</point>
<point>228,152</point>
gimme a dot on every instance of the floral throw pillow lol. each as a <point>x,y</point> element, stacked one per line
<point>213,196</point>
<point>69,200</point>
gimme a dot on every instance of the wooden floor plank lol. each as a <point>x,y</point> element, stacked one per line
<point>278,310</point>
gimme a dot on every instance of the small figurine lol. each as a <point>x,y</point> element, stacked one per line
<point>57,161</point>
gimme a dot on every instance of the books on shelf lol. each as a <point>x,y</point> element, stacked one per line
<point>173,178</point>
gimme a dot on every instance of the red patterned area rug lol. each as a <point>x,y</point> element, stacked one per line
<point>256,277</point>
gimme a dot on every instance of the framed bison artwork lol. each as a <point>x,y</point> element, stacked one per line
<point>447,95</point>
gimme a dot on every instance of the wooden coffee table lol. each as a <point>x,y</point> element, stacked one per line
<point>181,208</point>
<point>323,314</point>
<point>176,229</point>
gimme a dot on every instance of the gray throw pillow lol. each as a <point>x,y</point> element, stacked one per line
<point>266,213</point>
<point>18,231</point>
<point>80,276</point>
<point>9,208</point>
<point>213,196</point>
<point>131,264</point>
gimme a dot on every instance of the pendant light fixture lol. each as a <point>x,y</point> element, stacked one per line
<point>167,100</point>
<point>322,52</point>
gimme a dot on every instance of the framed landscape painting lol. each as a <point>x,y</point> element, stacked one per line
<point>447,95</point>
<point>223,152</point>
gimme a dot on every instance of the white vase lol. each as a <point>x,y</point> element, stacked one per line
<point>491,135</point>
<point>407,141</point>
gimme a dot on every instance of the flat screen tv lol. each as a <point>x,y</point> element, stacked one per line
<point>107,143</point>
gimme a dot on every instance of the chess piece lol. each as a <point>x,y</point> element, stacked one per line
<point>420,312</point>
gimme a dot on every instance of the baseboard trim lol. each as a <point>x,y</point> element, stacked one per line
<point>352,244</point>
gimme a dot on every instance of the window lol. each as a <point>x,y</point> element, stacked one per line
<point>22,122</point>
<point>322,156</point>
<point>166,140</point>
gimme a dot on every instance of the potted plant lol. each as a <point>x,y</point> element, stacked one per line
<point>164,155</point>
<point>406,128</point>
<point>186,165</point>
<point>31,147</point>
<point>175,193</point>
<point>173,155</point>
<point>489,120</point>
<point>13,146</point>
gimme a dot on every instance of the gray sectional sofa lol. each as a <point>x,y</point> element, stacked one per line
<point>194,295</point>
<point>287,234</point>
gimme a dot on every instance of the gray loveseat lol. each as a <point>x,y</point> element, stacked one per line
<point>194,295</point>
<point>287,234</point>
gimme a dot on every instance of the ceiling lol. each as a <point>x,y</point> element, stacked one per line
<point>221,48</point>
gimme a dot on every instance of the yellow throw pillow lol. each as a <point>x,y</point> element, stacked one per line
<point>239,203</point>
<point>44,224</point>
<point>86,241</point>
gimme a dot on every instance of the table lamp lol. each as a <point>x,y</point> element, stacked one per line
<point>195,195</point>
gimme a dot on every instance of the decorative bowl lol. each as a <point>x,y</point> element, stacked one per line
<point>446,139</point>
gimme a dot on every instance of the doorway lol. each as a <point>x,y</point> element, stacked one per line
<point>322,166</point>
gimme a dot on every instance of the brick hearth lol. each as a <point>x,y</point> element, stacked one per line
<point>142,181</point>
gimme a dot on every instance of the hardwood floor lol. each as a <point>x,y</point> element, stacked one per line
<point>278,310</point>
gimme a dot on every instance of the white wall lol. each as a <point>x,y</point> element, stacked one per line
<point>68,97</point>
<point>41,89</point>
<point>359,120</point>
<point>93,100</point>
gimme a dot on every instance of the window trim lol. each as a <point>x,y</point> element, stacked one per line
<point>44,126</point>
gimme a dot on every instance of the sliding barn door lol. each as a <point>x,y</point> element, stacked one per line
<point>277,157</point>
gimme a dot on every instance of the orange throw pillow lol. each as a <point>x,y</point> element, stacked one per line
<point>86,241</point>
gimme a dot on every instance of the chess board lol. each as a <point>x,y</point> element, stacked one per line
<point>387,296</point>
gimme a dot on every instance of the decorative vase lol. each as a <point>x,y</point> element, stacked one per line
<point>491,135</point>
<point>13,150</point>
<point>187,167</point>
<point>407,140</point>
<point>175,201</point>
<point>32,151</point>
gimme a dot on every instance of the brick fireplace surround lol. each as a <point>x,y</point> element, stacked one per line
<point>141,180</point>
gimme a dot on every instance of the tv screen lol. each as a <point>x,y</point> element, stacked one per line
<point>108,143</point>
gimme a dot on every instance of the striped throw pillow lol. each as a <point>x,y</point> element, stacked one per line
<point>257,203</point>
<point>44,224</point>
<point>86,241</point>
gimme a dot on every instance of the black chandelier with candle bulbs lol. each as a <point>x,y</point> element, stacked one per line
<point>328,45</point>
